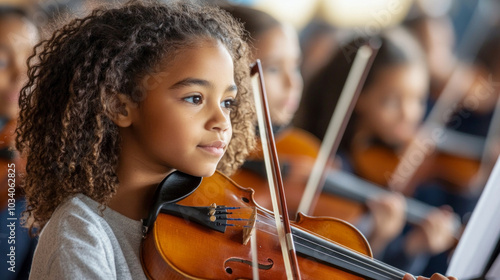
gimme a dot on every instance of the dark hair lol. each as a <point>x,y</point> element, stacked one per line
<point>7,10</point>
<point>65,127</point>
<point>488,55</point>
<point>255,22</point>
<point>321,96</point>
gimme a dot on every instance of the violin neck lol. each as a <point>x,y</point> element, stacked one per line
<point>346,185</point>
<point>342,258</point>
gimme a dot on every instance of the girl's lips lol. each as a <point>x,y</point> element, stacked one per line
<point>216,148</point>
<point>213,150</point>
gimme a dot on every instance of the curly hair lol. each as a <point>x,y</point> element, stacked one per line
<point>65,129</point>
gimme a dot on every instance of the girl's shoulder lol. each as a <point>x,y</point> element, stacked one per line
<point>76,218</point>
<point>74,232</point>
<point>76,208</point>
<point>82,242</point>
<point>81,211</point>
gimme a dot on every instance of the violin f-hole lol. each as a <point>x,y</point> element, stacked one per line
<point>238,260</point>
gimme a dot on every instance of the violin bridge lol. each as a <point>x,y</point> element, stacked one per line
<point>249,229</point>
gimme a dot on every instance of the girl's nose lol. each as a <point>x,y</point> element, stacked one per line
<point>219,120</point>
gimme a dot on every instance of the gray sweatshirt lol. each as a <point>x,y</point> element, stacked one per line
<point>79,243</point>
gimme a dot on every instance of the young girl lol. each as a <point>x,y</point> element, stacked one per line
<point>388,112</point>
<point>18,35</point>
<point>115,101</point>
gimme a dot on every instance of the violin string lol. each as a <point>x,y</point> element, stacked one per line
<point>233,219</point>
<point>267,219</point>
<point>364,259</point>
<point>380,262</point>
<point>233,225</point>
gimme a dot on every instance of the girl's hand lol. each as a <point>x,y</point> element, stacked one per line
<point>388,213</point>
<point>435,276</point>
<point>434,235</point>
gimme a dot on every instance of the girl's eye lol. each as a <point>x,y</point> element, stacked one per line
<point>228,103</point>
<point>195,99</point>
<point>272,69</point>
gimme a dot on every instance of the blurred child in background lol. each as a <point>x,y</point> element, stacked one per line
<point>388,112</point>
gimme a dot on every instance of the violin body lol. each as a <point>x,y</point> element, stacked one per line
<point>299,149</point>
<point>377,164</point>
<point>178,249</point>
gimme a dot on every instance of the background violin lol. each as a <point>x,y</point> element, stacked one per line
<point>377,163</point>
<point>297,150</point>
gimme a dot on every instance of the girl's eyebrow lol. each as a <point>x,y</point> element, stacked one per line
<point>204,83</point>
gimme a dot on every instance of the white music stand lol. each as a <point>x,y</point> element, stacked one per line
<point>476,248</point>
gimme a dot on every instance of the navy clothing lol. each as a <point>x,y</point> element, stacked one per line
<point>16,245</point>
<point>394,253</point>
<point>463,204</point>
<point>20,258</point>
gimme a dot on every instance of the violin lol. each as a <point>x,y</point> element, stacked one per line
<point>186,241</point>
<point>377,163</point>
<point>297,150</point>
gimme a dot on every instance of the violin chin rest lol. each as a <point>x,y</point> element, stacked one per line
<point>176,186</point>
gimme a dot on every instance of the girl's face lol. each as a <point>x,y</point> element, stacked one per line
<point>279,51</point>
<point>392,107</point>
<point>17,38</point>
<point>183,123</point>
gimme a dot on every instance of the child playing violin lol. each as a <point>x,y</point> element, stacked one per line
<point>18,35</point>
<point>390,107</point>
<point>116,101</point>
<point>131,94</point>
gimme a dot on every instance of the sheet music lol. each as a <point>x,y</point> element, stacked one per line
<point>494,272</point>
<point>481,234</point>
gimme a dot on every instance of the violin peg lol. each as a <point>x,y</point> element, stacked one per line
<point>211,212</point>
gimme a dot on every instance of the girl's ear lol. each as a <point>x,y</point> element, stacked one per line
<point>121,113</point>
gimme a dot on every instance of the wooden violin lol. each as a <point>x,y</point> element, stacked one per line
<point>192,242</point>
<point>298,151</point>
<point>377,163</point>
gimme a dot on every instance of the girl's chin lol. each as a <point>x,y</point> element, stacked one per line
<point>203,172</point>
<point>282,120</point>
